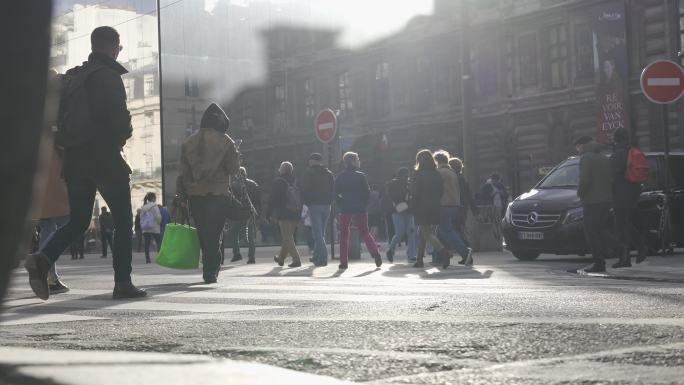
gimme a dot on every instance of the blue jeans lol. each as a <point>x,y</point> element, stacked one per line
<point>117,193</point>
<point>319,218</point>
<point>404,226</point>
<point>47,227</point>
<point>447,231</point>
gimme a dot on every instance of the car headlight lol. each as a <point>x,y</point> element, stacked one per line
<point>574,215</point>
<point>509,214</point>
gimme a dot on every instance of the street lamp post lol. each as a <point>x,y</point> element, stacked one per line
<point>469,153</point>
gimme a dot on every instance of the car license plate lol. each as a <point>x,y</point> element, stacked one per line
<point>533,235</point>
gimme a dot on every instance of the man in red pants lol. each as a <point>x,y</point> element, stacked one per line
<point>352,194</point>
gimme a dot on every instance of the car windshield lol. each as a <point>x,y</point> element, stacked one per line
<point>565,176</point>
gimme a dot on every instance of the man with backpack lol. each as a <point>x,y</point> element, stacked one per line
<point>285,205</point>
<point>630,169</point>
<point>94,124</point>
<point>317,186</point>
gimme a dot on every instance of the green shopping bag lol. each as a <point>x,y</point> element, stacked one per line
<point>180,248</point>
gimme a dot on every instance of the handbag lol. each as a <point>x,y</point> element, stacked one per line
<point>401,207</point>
<point>180,248</point>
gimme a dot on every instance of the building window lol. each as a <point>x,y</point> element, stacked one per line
<point>401,88</point>
<point>149,87</point>
<point>381,90</point>
<point>189,129</point>
<point>149,118</point>
<point>279,112</point>
<point>584,54</point>
<point>128,85</point>
<point>309,100</point>
<point>422,89</point>
<point>443,77</point>
<point>527,60</point>
<point>247,123</point>
<point>191,86</point>
<point>344,94</point>
<point>487,61</point>
<point>557,56</point>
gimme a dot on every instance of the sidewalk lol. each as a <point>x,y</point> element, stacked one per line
<point>653,269</point>
<point>67,367</point>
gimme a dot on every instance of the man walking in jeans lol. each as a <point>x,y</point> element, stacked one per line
<point>595,192</point>
<point>450,202</point>
<point>317,187</point>
<point>93,161</point>
<point>352,193</point>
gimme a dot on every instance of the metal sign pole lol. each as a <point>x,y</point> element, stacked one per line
<point>331,224</point>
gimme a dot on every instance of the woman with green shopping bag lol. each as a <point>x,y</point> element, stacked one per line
<point>209,158</point>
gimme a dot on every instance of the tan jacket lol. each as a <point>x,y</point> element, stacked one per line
<point>451,195</point>
<point>208,159</point>
<point>53,199</point>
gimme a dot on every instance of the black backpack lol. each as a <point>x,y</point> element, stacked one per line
<point>74,122</point>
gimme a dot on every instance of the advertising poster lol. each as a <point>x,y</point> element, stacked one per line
<point>610,68</point>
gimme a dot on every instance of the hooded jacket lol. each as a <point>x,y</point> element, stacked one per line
<point>596,176</point>
<point>208,157</point>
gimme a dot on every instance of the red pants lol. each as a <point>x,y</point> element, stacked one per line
<point>361,223</point>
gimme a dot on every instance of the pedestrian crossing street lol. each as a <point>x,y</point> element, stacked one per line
<point>255,288</point>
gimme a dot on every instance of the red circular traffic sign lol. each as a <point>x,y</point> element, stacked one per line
<point>663,81</point>
<point>326,126</point>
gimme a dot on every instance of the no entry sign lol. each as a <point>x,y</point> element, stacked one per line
<point>326,126</point>
<point>663,81</point>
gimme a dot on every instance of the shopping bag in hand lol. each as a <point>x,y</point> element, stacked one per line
<point>180,247</point>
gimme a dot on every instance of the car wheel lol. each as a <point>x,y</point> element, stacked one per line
<point>526,255</point>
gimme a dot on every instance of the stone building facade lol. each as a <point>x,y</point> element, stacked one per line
<point>534,73</point>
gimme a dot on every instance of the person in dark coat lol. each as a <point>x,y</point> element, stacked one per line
<point>352,194</point>
<point>317,186</point>
<point>94,162</point>
<point>106,230</point>
<point>467,199</point>
<point>426,194</point>
<point>282,208</point>
<point>595,192</point>
<point>625,202</point>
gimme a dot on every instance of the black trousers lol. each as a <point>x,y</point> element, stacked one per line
<point>148,241</point>
<point>117,193</point>
<point>210,213</point>
<point>107,239</point>
<point>77,247</point>
<point>629,229</point>
<point>596,225</point>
